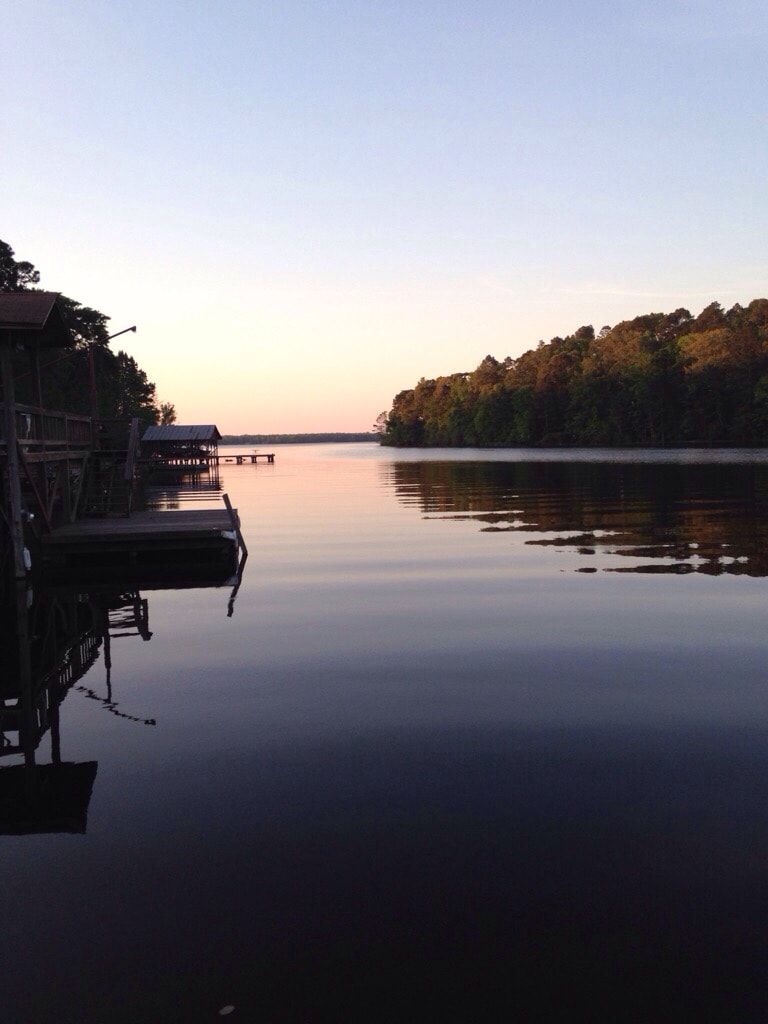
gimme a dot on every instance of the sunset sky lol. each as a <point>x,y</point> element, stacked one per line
<point>307,206</point>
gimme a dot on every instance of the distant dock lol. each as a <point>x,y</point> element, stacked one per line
<point>240,458</point>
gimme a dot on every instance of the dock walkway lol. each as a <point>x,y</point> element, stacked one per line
<point>144,535</point>
<point>253,458</point>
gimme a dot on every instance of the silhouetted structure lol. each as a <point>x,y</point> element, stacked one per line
<point>181,448</point>
<point>68,480</point>
<point>43,453</point>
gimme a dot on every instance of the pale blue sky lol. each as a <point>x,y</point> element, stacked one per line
<point>305,207</point>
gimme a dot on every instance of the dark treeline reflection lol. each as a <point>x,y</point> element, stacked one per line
<point>658,517</point>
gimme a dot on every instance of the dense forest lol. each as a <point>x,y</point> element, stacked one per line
<point>124,390</point>
<point>660,379</point>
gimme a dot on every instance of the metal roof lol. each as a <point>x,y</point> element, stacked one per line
<point>182,432</point>
<point>34,317</point>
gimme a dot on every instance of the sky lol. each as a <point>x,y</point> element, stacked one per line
<point>305,207</point>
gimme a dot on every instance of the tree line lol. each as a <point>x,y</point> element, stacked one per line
<point>316,438</point>
<point>660,379</point>
<point>124,390</point>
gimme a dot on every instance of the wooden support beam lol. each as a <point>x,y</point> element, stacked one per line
<point>133,447</point>
<point>53,489</point>
<point>75,499</point>
<point>235,521</point>
<point>53,455</point>
<point>66,493</point>
<point>12,464</point>
<point>41,501</point>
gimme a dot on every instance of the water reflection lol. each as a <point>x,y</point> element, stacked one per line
<point>49,644</point>
<point>405,783</point>
<point>118,614</point>
<point>167,491</point>
<point>50,641</point>
<point>622,517</point>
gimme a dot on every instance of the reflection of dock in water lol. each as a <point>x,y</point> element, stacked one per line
<point>48,645</point>
<point>56,642</point>
<point>45,797</point>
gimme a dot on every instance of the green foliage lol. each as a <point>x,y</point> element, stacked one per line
<point>658,379</point>
<point>15,275</point>
<point>167,414</point>
<point>133,394</point>
<point>88,326</point>
<point>124,390</point>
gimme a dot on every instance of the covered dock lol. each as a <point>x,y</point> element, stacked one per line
<point>180,448</point>
<point>68,480</point>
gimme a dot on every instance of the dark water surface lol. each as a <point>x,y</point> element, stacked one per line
<point>485,739</point>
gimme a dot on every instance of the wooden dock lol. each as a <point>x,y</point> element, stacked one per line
<point>253,457</point>
<point>145,537</point>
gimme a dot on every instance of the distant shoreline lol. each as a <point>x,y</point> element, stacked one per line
<point>563,446</point>
<point>296,438</point>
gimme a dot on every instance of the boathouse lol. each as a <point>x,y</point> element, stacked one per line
<point>69,480</point>
<point>192,448</point>
<point>42,453</point>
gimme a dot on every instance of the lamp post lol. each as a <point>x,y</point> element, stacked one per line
<point>92,372</point>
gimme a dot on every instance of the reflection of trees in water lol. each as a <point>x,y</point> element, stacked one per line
<point>673,518</point>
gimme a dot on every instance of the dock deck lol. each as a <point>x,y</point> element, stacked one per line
<point>144,536</point>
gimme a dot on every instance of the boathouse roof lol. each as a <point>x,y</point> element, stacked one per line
<point>34,318</point>
<point>181,433</point>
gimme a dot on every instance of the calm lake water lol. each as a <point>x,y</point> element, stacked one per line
<point>483,739</point>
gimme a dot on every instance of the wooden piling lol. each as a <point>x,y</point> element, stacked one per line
<point>15,524</point>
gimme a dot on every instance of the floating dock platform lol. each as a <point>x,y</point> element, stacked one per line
<point>146,538</point>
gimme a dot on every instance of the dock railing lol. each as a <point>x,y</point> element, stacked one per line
<point>38,429</point>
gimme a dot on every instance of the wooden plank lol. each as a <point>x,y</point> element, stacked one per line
<point>51,455</point>
<point>145,524</point>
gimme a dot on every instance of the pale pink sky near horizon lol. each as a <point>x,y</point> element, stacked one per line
<point>305,208</point>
